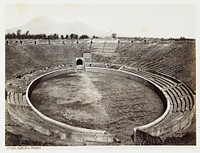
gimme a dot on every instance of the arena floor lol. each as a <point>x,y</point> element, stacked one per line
<point>98,101</point>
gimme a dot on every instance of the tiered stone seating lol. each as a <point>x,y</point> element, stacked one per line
<point>16,98</point>
<point>187,97</point>
<point>176,106</point>
<point>97,46</point>
<point>177,93</point>
<point>158,80</point>
<point>181,104</point>
<point>162,70</point>
<point>184,97</point>
<point>170,71</point>
<point>12,98</point>
<point>106,47</point>
<point>26,116</point>
<point>28,133</point>
<point>167,81</point>
<point>149,65</point>
<point>178,96</point>
<point>110,47</point>
<point>15,105</point>
<point>178,100</point>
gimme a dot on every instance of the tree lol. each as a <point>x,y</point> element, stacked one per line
<point>114,35</point>
<point>182,38</point>
<point>73,36</point>
<point>76,36</point>
<point>95,36</point>
<point>44,36</point>
<point>55,36</point>
<point>19,32</point>
<point>10,36</point>
<point>83,37</point>
<point>49,37</point>
<point>27,32</point>
<point>62,37</point>
<point>13,35</point>
<point>67,37</point>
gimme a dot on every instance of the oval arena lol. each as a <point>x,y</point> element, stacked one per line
<point>88,100</point>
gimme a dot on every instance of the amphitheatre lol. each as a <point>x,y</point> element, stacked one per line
<point>124,91</point>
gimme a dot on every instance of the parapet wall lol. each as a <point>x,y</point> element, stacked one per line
<point>99,135</point>
<point>81,134</point>
<point>169,123</point>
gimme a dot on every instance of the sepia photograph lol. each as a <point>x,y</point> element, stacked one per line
<point>100,74</point>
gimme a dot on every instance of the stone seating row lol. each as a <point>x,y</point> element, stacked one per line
<point>97,49</point>
<point>110,48</point>
<point>145,63</point>
<point>155,67</point>
<point>171,71</point>
<point>159,80</point>
<point>164,71</point>
<point>16,98</point>
<point>98,46</point>
<point>180,103</point>
<point>104,48</point>
<point>168,82</point>
<point>151,65</point>
<point>167,76</point>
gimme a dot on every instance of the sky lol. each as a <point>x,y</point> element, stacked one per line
<point>144,20</point>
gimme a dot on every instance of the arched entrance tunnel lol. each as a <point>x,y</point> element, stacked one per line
<point>79,62</point>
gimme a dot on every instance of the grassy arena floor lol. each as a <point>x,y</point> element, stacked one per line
<point>98,101</point>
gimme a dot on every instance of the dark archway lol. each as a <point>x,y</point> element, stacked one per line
<point>79,62</point>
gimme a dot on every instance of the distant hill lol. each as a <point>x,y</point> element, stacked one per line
<point>47,25</point>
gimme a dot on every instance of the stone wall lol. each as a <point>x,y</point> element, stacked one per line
<point>168,123</point>
<point>76,133</point>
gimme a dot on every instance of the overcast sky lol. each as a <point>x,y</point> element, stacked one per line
<point>145,20</point>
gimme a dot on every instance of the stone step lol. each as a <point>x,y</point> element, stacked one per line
<point>16,99</point>
<point>12,98</point>
<point>23,118</point>
<point>8,98</point>
<point>176,104</point>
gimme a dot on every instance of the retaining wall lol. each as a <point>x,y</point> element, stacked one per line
<point>152,133</point>
<point>77,134</point>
